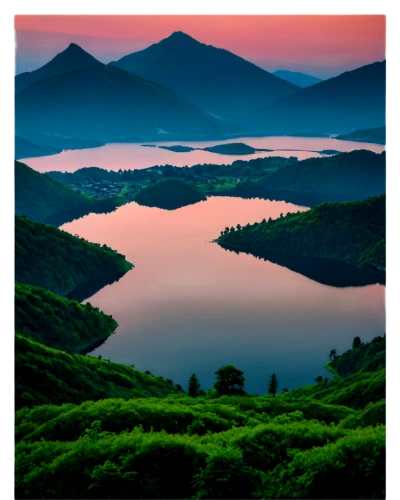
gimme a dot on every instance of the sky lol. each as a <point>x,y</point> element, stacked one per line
<point>323,46</point>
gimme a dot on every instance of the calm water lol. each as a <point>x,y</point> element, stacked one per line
<point>190,306</point>
<point>131,156</point>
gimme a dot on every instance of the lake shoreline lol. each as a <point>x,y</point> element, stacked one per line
<point>369,268</point>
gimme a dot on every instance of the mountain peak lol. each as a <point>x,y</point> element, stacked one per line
<point>74,46</point>
<point>180,36</point>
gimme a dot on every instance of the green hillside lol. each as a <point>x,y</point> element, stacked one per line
<point>288,446</point>
<point>44,199</point>
<point>44,375</point>
<point>58,322</point>
<point>169,194</point>
<point>70,261</point>
<point>354,231</point>
<point>343,177</point>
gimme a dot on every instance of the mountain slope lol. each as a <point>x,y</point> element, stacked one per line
<point>49,376</point>
<point>69,260</point>
<point>58,322</point>
<point>344,231</point>
<point>374,135</point>
<point>72,57</point>
<point>215,79</point>
<point>109,104</point>
<point>300,79</point>
<point>352,100</point>
<point>24,148</point>
<point>44,199</point>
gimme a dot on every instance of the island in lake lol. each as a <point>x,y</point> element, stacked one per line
<point>170,194</point>
<point>233,148</point>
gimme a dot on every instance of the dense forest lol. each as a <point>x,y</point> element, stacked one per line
<point>44,199</point>
<point>346,176</point>
<point>58,322</point>
<point>45,375</point>
<point>293,445</point>
<point>169,194</point>
<point>353,231</point>
<point>69,260</point>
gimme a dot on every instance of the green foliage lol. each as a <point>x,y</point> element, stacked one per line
<point>348,176</point>
<point>273,384</point>
<point>352,467</point>
<point>58,322</point>
<point>44,375</point>
<point>229,381</point>
<point>44,199</point>
<point>70,261</point>
<point>194,386</point>
<point>170,194</point>
<point>348,231</point>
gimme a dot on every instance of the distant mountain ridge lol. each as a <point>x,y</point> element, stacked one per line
<point>70,58</point>
<point>216,80</point>
<point>353,100</point>
<point>300,79</point>
<point>104,103</point>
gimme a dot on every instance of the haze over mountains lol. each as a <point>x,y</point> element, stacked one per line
<point>353,100</point>
<point>300,79</point>
<point>95,101</point>
<point>216,80</point>
<point>182,89</point>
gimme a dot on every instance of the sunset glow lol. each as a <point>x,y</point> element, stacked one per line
<point>320,45</point>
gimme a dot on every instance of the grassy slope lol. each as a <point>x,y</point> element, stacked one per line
<point>351,230</point>
<point>69,260</point>
<point>289,446</point>
<point>45,375</point>
<point>58,322</point>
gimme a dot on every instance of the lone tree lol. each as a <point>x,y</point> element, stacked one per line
<point>194,386</point>
<point>332,354</point>
<point>319,379</point>
<point>273,384</point>
<point>356,342</point>
<point>229,381</point>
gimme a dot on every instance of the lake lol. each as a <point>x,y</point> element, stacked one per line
<point>131,156</point>
<point>189,306</point>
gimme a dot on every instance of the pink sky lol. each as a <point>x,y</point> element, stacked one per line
<point>320,45</point>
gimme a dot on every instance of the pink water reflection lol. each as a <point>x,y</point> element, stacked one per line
<point>191,306</point>
<point>131,156</point>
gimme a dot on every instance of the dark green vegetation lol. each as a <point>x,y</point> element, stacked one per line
<point>45,375</point>
<point>58,322</point>
<point>169,194</point>
<point>353,231</point>
<point>343,177</point>
<point>210,178</point>
<point>124,107</point>
<point>300,79</point>
<point>294,445</point>
<point>44,199</point>
<point>375,135</point>
<point>214,79</point>
<point>69,260</point>
<point>353,100</point>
